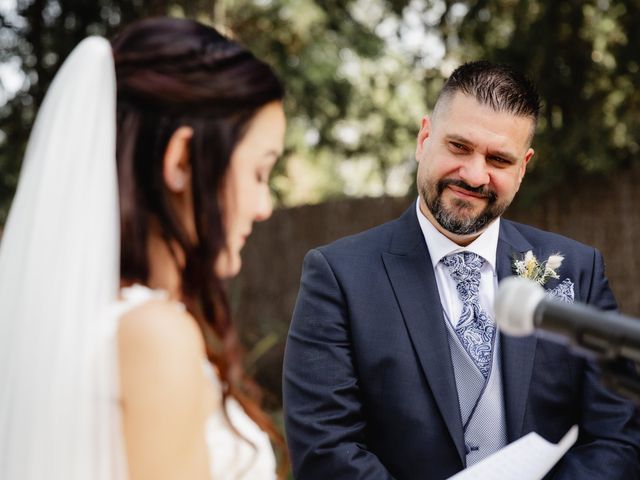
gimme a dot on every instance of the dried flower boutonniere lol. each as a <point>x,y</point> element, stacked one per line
<point>540,272</point>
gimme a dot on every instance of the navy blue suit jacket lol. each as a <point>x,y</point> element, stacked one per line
<point>369,389</point>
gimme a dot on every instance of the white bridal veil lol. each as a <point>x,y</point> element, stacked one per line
<point>59,276</point>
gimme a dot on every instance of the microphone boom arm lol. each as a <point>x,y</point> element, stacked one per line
<point>612,339</point>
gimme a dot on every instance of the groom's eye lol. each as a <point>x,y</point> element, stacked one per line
<point>500,160</point>
<point>458,147</point>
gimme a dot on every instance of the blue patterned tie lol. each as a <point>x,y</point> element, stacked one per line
<point>475,329</point>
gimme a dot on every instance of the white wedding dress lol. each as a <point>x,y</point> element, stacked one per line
<point>231,457</point>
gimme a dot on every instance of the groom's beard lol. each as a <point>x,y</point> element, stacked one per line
<point>453,218</point>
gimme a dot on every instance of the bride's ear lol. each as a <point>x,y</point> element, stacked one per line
<point>176,169</point>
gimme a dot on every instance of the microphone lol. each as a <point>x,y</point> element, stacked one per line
<point>522,308</point>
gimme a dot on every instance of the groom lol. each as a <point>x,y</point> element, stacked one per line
<point>393,365</point>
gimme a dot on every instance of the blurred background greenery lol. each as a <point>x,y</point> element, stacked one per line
<point>361,73</point>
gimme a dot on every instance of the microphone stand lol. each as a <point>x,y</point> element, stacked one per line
<point>619,362</point>
<point>621,376</point>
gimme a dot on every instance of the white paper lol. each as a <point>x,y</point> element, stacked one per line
<point>528,458</point>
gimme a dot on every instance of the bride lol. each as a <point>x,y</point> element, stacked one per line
<point>146,168</point>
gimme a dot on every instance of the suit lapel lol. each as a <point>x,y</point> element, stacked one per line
<point>409,268</point>
<point>517,353</point>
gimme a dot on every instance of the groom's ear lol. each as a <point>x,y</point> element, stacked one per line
<point>423,135</point>
<point>525,162</point>
<point>176,167</point>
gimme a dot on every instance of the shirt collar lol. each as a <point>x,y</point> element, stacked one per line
<point>440,246</point>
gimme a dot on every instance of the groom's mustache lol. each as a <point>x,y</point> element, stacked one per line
<point>483,191</point>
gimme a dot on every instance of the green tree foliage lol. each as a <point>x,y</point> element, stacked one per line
<point>359,83</point>
<point>37,36</point>
<point>351,101</point>
<point>583,54</point>
<point>353,105</point>
<point>361,73</point>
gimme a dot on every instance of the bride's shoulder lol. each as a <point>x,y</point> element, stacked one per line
<point>160,323</point>
<point>160,340</point>
<point>163,390</point>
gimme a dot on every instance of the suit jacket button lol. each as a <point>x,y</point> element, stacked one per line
<point>470,448</point>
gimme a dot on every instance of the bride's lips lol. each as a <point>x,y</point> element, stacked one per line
<point>244,237</point>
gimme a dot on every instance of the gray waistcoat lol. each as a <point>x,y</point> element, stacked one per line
<point>481,402</point>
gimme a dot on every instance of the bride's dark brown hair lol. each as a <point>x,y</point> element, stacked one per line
<point>172,73</point>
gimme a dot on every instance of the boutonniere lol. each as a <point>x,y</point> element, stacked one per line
<point>540,272</point>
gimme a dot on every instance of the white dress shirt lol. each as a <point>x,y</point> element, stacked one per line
<point>440,246</point>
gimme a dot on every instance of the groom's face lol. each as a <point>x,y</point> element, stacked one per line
<point>471,162</point>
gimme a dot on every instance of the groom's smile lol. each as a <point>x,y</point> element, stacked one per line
<point>460,208</point>
<point>463,195</point>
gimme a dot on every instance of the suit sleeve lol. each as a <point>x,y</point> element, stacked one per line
<point>324,421</point>
<point>609,441</point>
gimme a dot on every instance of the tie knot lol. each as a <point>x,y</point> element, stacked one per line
<point>463,264</point>
<point>464,268</point>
